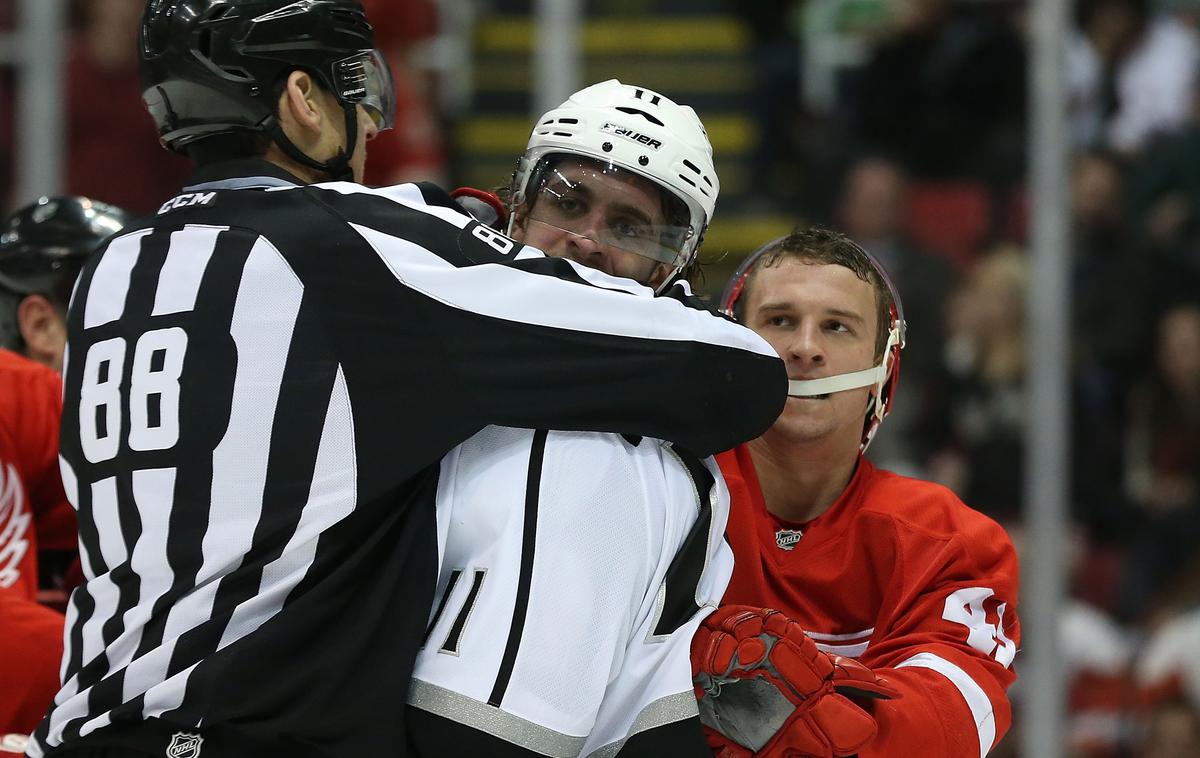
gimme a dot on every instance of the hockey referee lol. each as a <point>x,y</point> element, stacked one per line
<point>262,377</point>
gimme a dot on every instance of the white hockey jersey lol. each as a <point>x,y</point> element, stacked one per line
<point>575,569</point>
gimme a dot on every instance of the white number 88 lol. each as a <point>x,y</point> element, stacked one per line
<point>154,385</point>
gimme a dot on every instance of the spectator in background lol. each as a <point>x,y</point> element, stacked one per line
<point>873,210</point>
<point>946,92</point>
<point>1111,332</point>
<point>1111,299</point>
<point>1164,471</point>
<point>980,446</point>
<point>1169,675</point>
<point>1165,198</point>
<point>1130,74</point>
<point>1097,656</point>
<point>110,153</point>
<point>1173,730</point>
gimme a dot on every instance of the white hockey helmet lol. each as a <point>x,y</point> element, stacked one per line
<point>635,129</point>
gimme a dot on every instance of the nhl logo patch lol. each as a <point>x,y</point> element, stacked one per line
<point>184,745</point>
<point>786,539</point>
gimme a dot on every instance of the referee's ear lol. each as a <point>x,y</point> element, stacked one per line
<point>302,109</point>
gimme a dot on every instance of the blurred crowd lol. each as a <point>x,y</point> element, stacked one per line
<point>926,140</point>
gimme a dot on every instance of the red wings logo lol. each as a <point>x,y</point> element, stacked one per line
<point>14,525</point>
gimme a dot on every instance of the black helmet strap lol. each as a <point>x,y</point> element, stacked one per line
<point>336,168</point>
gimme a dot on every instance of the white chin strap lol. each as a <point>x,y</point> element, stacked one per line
<point>838,383</point>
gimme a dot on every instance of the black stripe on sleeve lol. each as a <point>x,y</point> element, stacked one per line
<point>437,616</point>
<point>683,575</point>
<point>537,454</point>
<point>464,613</point>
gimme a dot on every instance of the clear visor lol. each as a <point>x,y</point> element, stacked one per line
<point>610,206</point>
<point>365,79</point>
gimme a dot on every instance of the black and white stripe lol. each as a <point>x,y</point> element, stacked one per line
<point>257,393</point>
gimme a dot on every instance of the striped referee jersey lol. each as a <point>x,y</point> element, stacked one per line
<point>260,382</point>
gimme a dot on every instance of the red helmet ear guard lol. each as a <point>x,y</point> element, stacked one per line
<point>885,388</point>
<point>737,283</point>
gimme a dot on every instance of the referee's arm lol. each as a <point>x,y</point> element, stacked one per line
<point>542,343</point>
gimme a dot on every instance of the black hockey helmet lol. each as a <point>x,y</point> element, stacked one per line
<point>210,66</point>
<point>44,245</point>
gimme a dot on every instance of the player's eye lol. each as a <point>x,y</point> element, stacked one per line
<point>570,205</point>
<point>630,229</point>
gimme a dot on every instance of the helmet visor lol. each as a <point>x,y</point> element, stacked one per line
<point>611,206</point>
<point>365,79</point>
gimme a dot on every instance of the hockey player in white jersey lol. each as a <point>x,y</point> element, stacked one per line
<point>577,566</point>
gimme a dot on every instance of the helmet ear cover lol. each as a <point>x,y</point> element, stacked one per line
<point>884,390</point>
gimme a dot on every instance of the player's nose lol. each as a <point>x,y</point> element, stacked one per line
<point>805,346</point>
<point>370,129</point>
<point>584,248</point>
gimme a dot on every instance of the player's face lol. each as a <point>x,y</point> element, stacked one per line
<point>822,320</point>
<point>596,218</point>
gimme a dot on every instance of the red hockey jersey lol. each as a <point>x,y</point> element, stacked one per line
<point>901,575</point>
<point>34,515</point>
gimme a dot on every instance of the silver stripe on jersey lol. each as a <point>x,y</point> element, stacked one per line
<point>245,182</point>
<point>823,637</point>
<point>493,721</point>
<point>666,710</point>
<point>849,651</point>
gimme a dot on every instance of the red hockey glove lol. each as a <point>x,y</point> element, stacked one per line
<point>765,687</point>
<point>485,207</point>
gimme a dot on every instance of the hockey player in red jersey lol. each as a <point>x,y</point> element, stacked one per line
<point>41,250</point>
<point>895,573</point>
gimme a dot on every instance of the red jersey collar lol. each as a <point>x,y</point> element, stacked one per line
<point>747,496</point>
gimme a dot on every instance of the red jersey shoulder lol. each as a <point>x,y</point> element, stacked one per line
<point>915,504</point>
<point>25,384</point>
<point>30,408</point>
